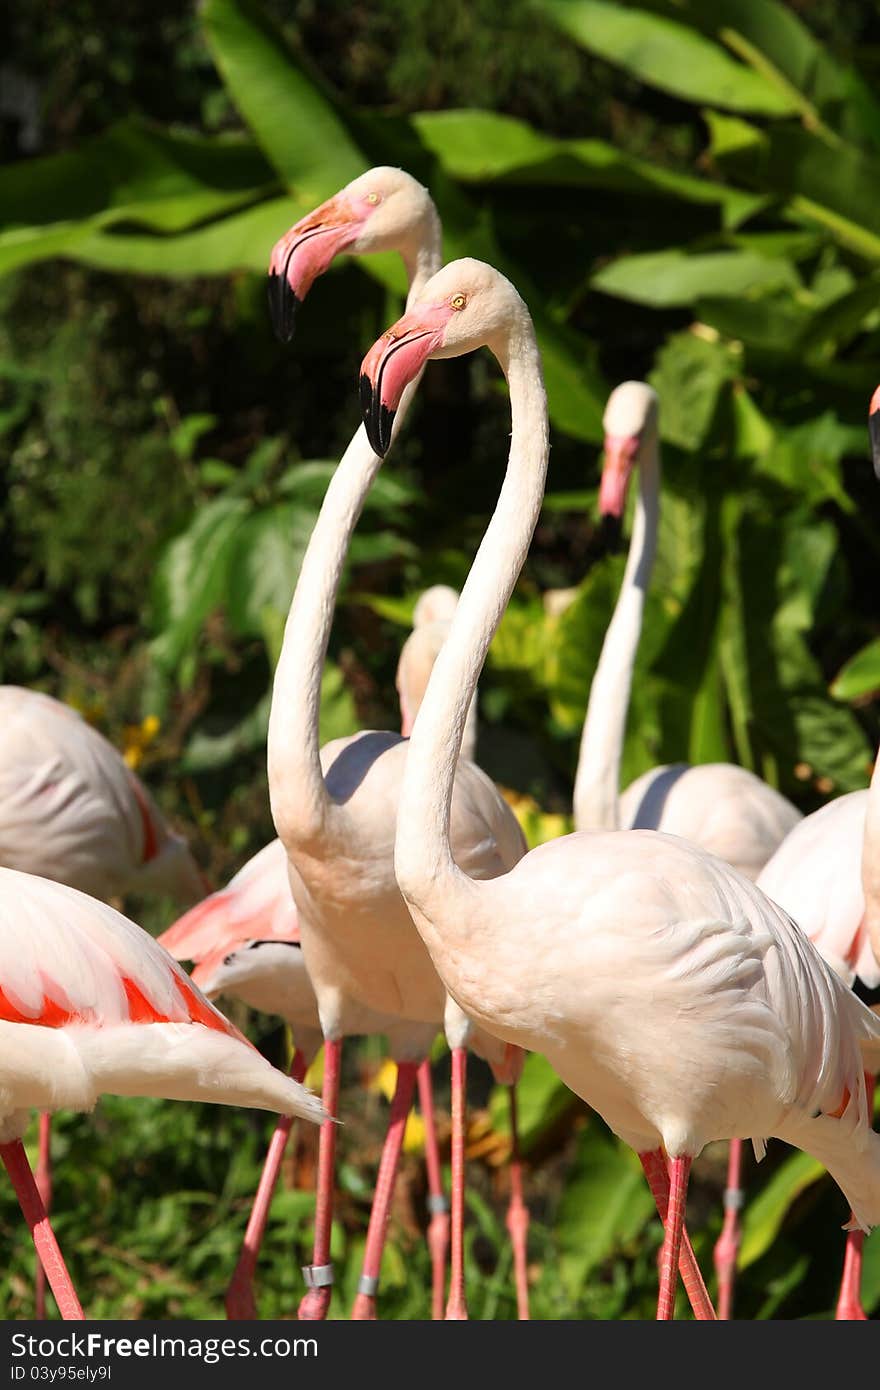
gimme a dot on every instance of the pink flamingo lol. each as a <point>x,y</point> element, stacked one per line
<point>89,1003</point>
<point>668,992</point>
<point>334,809</point>
<point>72,810</point>
<point>723,808</point>
<point>246,943</point>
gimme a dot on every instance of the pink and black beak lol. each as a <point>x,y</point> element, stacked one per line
<point>874,430</point>
<point>392,363</point>
<point>305,252</point>
<point>621,452</point>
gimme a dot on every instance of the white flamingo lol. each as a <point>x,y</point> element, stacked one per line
<point>72,810</point>
<point>335,808</point>
<point>90,1004</point>
<point>245,941</point>
<point>719,806</point>
<point>667,991</point>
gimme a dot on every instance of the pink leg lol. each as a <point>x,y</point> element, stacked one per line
<point>727,1245</point>
<point>679,1171</point>
<point>44,1187</point>
<point>240,1303</point>
<point>456,1308</point>
<point>18,1168</point>
<point>365,1303</point>
<point>657,1173</point>
<point>849,1300</point>
<point>518,1217</point>
<point>438,1207</point>
<point>319,1274</point>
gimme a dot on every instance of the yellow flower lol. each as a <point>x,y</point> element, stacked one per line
<point>384,1083</point>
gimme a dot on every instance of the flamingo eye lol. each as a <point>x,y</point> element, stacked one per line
<point>458,301</point>
<point>372,199</point>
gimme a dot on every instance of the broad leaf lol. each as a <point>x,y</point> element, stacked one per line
<point>667,55</point>
<point>296,125</point>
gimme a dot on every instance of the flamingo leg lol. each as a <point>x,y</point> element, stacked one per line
<point>319,1274</point>
<point>518,1216</point>
<point>456,1307</point>
<point>16,1164</point>
<point>728,1243</point>
<point>43,1179</point>
<point>438,1207</point>
<point>679,1171</point>
<point>240,1302</point>
<point>657,1174</point>
<point>365,1303</point>
<point>849,1300</point>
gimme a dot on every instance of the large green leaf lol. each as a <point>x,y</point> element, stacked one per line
<point>772,38</point>
<point>479,146</point>
<point>606,1204</point>
<point>191,580</point>
<point>765,1213</point>
<point>672,277</point>
<point>295,124</point>
<point>688,376</point>
<point>138,173</point>
<point>667,55</point>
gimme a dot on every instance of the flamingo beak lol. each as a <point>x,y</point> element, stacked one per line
<point>304,253</point>
<point>874,431</point>
<point>621,452</point>
<point>392,363</point>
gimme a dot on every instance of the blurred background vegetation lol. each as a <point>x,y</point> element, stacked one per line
<point>686,191</point>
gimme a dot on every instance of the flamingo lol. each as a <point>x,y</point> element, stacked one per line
<point>89,1004</point>
<point>662,985</point>
<point>335,808</point>
<point>245,941</point>
<point>72,810</point>
<point>721,807</point>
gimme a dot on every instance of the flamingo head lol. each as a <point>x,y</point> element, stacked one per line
<point>382,210</point>
<point>874,430</point>
<point>466,305</point>
<point>435,605</point>
<point>630,422</point>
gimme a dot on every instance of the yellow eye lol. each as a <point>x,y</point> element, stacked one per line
<point>458,301</point>
<point>372,198</point>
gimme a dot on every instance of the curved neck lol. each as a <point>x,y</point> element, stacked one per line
<point>423,858</point>
<point>871,863</point>
<point>301,806</point>
<point>597,784</point>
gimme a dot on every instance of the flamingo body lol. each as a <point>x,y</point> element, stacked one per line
<point>90,1003</point>
<point>725,809</point>
<point>71,810</point>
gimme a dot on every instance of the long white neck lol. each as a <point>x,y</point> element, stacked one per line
<point>301,807</point>
<point>597,784</point>
<point>871,863</point>
<point>423,862</point>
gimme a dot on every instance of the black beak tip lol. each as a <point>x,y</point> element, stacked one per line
<point>610,530</point>
<point>378,419</point>
<point>874,435</point>
<point>283,304</point>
